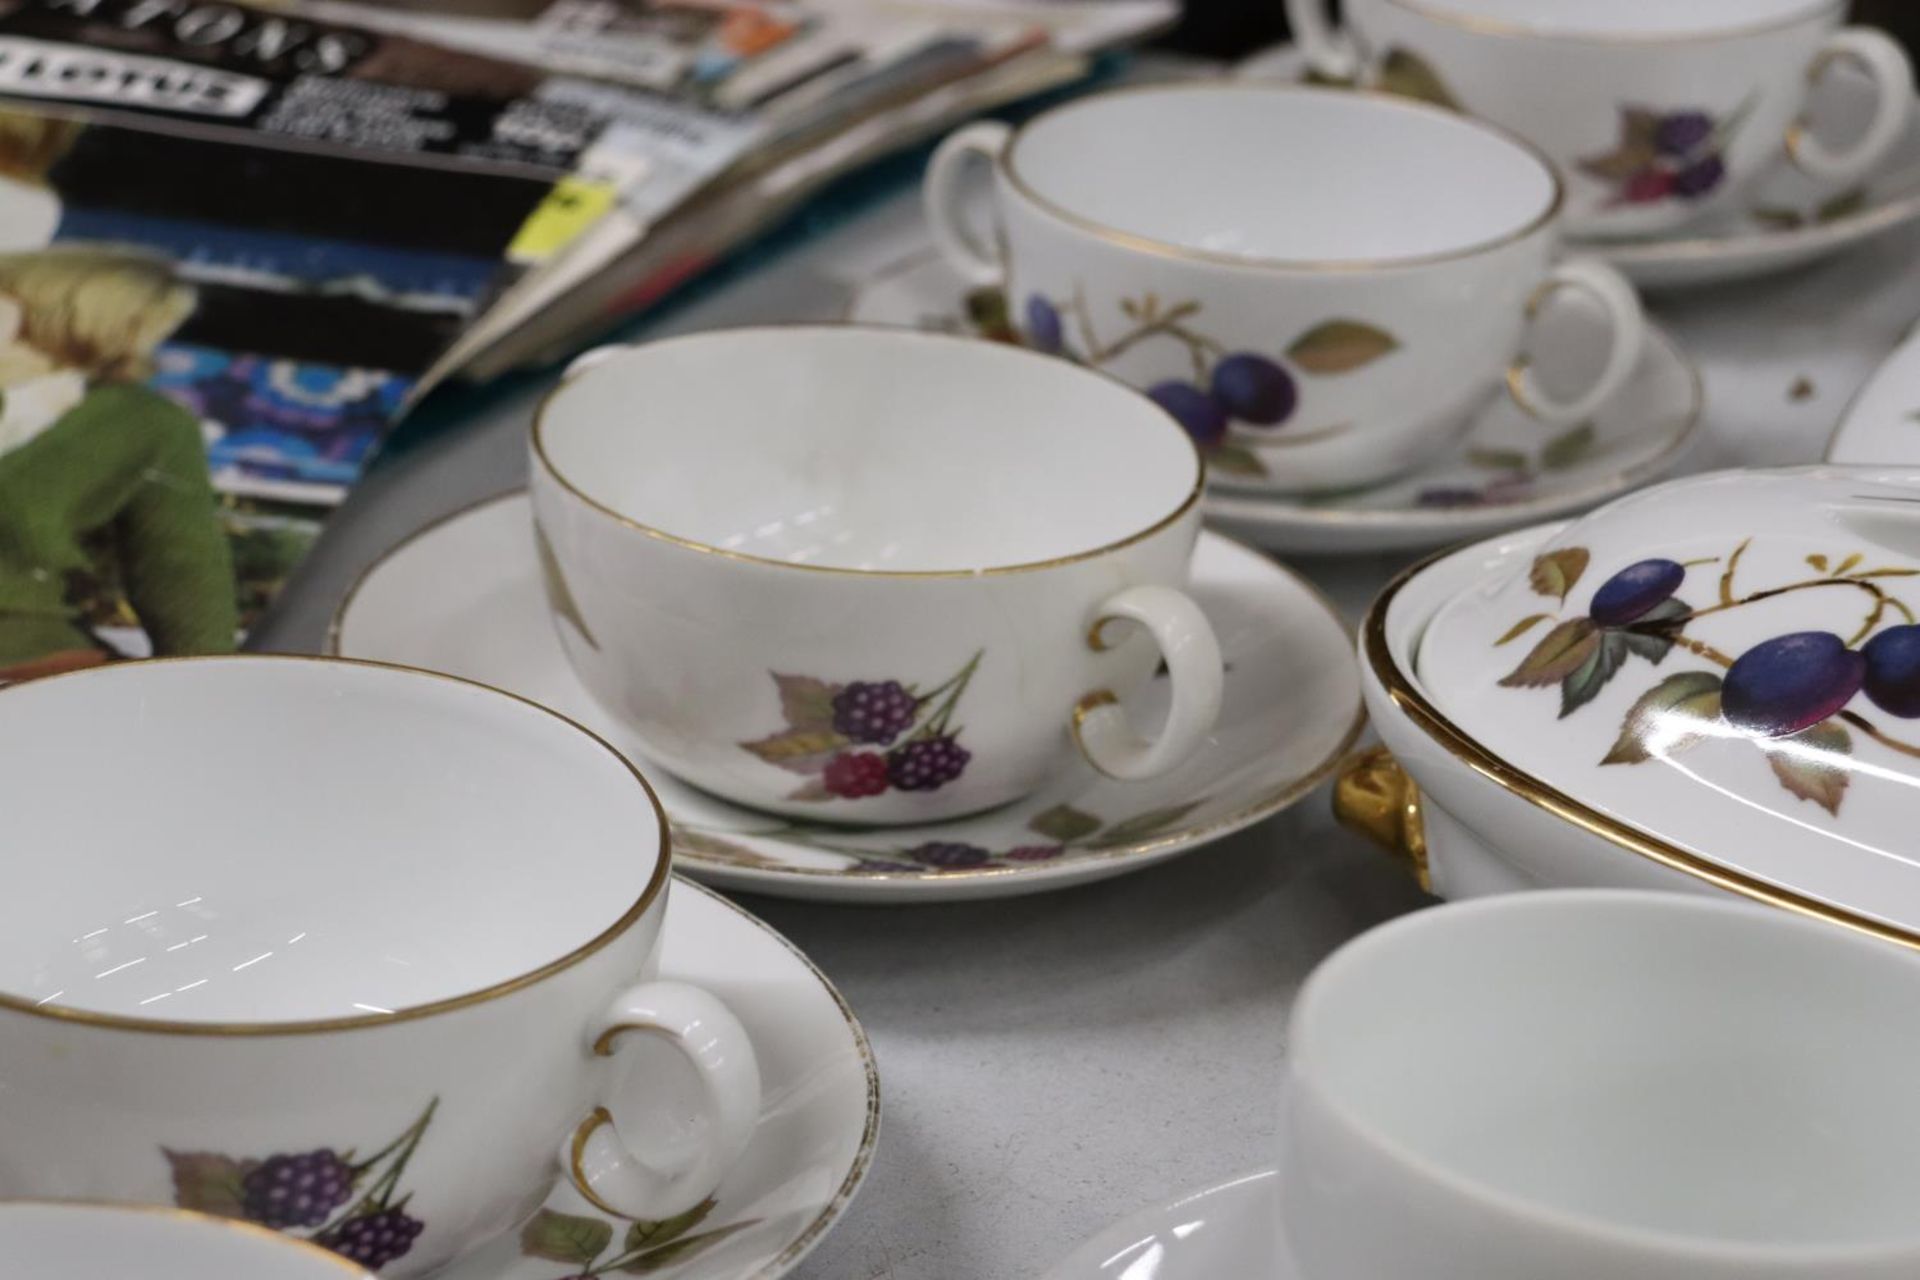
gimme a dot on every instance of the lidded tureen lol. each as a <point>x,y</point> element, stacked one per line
<point>1715,682</point>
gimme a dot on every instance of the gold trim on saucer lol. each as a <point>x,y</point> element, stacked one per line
<point>1173,517</point>
<point>239,1226</point>
<point>1503,27</point>
<point>120,1022</point>
<point>1005,164</point>
<point>1268,804</point>
<point>1497,771</point>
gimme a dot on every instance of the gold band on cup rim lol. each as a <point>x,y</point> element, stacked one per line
<point>1173,517</point>
<point>1004,163</point>
<point>238,1226</point>
<point>648,894</point>
<point>1505,27</point>
<point>1499,771</point>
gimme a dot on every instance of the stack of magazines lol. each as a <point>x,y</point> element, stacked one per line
<point>237,242</point>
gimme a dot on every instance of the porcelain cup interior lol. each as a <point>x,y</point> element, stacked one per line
<point>1596,1083</point>
<point>295,840</point>
<point>1647,19</point>
<point>869,450</point>
<point>1276,177</point>
<point>78,1241</point>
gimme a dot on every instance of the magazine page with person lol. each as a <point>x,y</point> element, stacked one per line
<point>229,254</point>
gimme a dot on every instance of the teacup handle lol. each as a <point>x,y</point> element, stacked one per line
<point>1329,51</point>
<point>944,195</point>
<point>1627,331</point>
<point>1888,66</point>
<point>1100,726</point>
<point>690,1147</point>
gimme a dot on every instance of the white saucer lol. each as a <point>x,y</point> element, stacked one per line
<point>1506,471</point>
<point>1226,1232</point>
<point>818,1124</point>
<point>1882,425</point>
<point>464,597</point>
<point>1788,221</point>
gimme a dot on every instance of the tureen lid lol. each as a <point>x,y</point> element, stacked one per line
<point>1728,663</point>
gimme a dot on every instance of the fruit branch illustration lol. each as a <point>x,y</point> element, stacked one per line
<point>305,1191</point>
<point>832,731</point>
<point>1790,695</point>
<point>646,1247</point>
<point>1666,155</point>
<point>1235,399</point>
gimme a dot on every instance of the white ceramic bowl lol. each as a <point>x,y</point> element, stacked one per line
<point>1590,747</point>
<point>72,1240</point>
<point>1589,1085</point>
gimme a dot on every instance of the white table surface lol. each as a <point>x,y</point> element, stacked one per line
<point>1051,1063</point>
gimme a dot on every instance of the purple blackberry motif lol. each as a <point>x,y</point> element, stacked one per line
<point>1044,331</point>
<point>1790,697</point>
<point>1671,155</point>
<point>947,855</point>
<point>876,712</point>
<point>311,1194</point>
<point>827,724</point>
<point>854,775</point>
<point>375,1239</point>
<point>926,764</point>
<point>297,1191</point>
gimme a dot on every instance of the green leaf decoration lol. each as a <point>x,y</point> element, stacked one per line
<point>209,1183</point>
<point>1818,563</point>
<point>654,1261</point>
<point>1340,346</point>
<point>1498,459</point>
<point>1236,460</point>
<point>1659,724</point>
<point>1064,824</point>
<point>1844,205</point>
<point>798,750</point>
<point>1585,684</point>
<point>812,791</point>
<point>1812,764</point>
<point>806,702</point>
<point>559,595</point>
<point>565,1237</point>
<point>1143,826</point>
<point>987,313</point>
<point>1777,219</point>
<point>1558,572</point>
<point>1315,76</point>
<point>647,1235</point>
<point>1846,566</point>
<point>1521,628</point>
<point>1639,126</point>
<point>1560,653</point>
<point>1655,641</point>
<point>1570,448</point>
<point>716,849</point>
<point>1406,74</point>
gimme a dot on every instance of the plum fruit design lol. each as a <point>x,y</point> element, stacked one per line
<point>347,1203</point>
<point>867,737</point>
<point>585,1243</point>
<point>1666,155</point>
<point>1235,398</point>
<point>1792,696</point>
<point>1059,833</point>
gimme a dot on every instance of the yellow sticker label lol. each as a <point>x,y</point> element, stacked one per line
<point>572,206</point>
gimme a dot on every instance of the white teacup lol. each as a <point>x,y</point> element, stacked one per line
<point>871,575</point>
<point>1589,1085</point>
<point>357,952</point>
<point>1655,110</point>
<point>1322,286</point>
<point>72,1240</point>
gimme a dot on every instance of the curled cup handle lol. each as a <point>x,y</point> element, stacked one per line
<point>1626,335</point>
<point>1329,51</point>
<point>689,1143</point>
<point>1891,71</point>
<point>1100,726</point>
<point>944,196</point>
